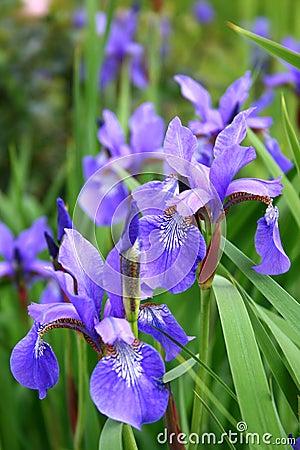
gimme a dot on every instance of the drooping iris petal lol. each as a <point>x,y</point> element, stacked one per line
<point>278,79</point>
<point>268,245</point>
<point>273,148</point>
<point>227,164</point>
<point>171,250</point>
<point>147,129</point>
<point>159,316</point>
<point>126,385</point>
<point>33,363</point>
<point>234,97</point>
<point>112,328</point>
<point>256,186</point>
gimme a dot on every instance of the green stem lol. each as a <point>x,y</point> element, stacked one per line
<point>128,438</point>
<point>82,383</point>
<point>198,409</point>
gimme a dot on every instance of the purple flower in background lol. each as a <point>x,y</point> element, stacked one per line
<point>204,12</point>
<point>21,253</point>
<point>292,75</point>
<point>260,59</point>
<point>213,121</point>
<point>126,383</point>
<point>104,196</point>
<point>63,221</point>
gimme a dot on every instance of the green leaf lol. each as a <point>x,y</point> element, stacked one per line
<point>290,193</point>
<point>247,370</point>
<point>179,370</point>
<point>111,436</point>
<point>271,47</point>
<point>285,304</point>
<point>291,135</point>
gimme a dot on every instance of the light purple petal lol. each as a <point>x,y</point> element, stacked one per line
<point>112,283</point>
<point>227,164</point>
<point>273,148</point>
<point>33,363</point>
<point>195,93</point>
<point>233,134</point>
<point>278,79</point>
<point>147,129</point>
<point>171,250</point>
<point>190,201</point>
<point>151,197</point>
<point>126,385</point>
<point>6,242</point>
<point>32,241</point>
<point>138,72</point>
<point>268,245</point>
<point>49,312</point>
<point>130,230</point>
<point>112,328</point>
<point>159,316</point>
<point>6,269</point>
<point>234,97</point>
<point>204,12</point>
<point>259,123</point>
<point>110,134</point>
<point>255,186</point>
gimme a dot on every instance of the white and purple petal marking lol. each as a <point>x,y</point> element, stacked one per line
<point>126,385</point>
<point>171,249</point>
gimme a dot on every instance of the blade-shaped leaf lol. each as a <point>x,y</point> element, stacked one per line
<point>270,46</point>
<point>111,436</point>
<point>285,304</point>
<point>247,370</point>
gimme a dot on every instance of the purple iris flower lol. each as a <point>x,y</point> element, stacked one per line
<point>104,195</point>
<point>213,121</point>
<point>204,12</point>
<point>63,221</point>
<point>20,253</point>
<point>292,75</point>
<point>260,59</point>
<point>295,446</point>
<point>126,383</point>
<point>208,189</point>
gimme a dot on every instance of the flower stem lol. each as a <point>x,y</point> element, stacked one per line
<point>128,438</point>
<point>82,383</point>
<point>198,410</point>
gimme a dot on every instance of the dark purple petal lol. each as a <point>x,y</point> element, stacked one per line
<point>171,250</point>
<point>255,186</point>
<point>6,242</point>
<point>33,363</point>
<point>268,245</point>
<point>227,164</point>
<point>112,328</point>
<point>147,129</point>
<point>80,258</point>
<point>273,148</point>
<point>63,219</point>
<point>234,97</point>
<point>126,385</point>
<point>296,446</point>
<point>159,316</point>
<point>233,134</point>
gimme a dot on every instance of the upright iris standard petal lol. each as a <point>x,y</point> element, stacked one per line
<point>159,316</point>
<point>146,123</point>
<point>63,219</point>
<point>126,385</point>
<point>110,134</point>
<point>234,97</point>
<point>33,363</point>
<point>112,328</point>
<point>171,250</point>
<point>268,245</point>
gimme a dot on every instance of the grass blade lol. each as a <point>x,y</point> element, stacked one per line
<point>291,135</point>
<point>111,436</point>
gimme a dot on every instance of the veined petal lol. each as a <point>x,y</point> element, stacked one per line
<point>256,186</point>
<point>126,385</point>
<point>268,245</point>
<point>112,328</point>
<point>33,363</point>
<point>49,312</point>
<point>151,197</point>
<point>227,164</point>
<point>171,250</point>
<point>6,242</point>
<point>159,316</point>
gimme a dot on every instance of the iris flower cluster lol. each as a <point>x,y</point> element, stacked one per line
<point>171,231</point>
